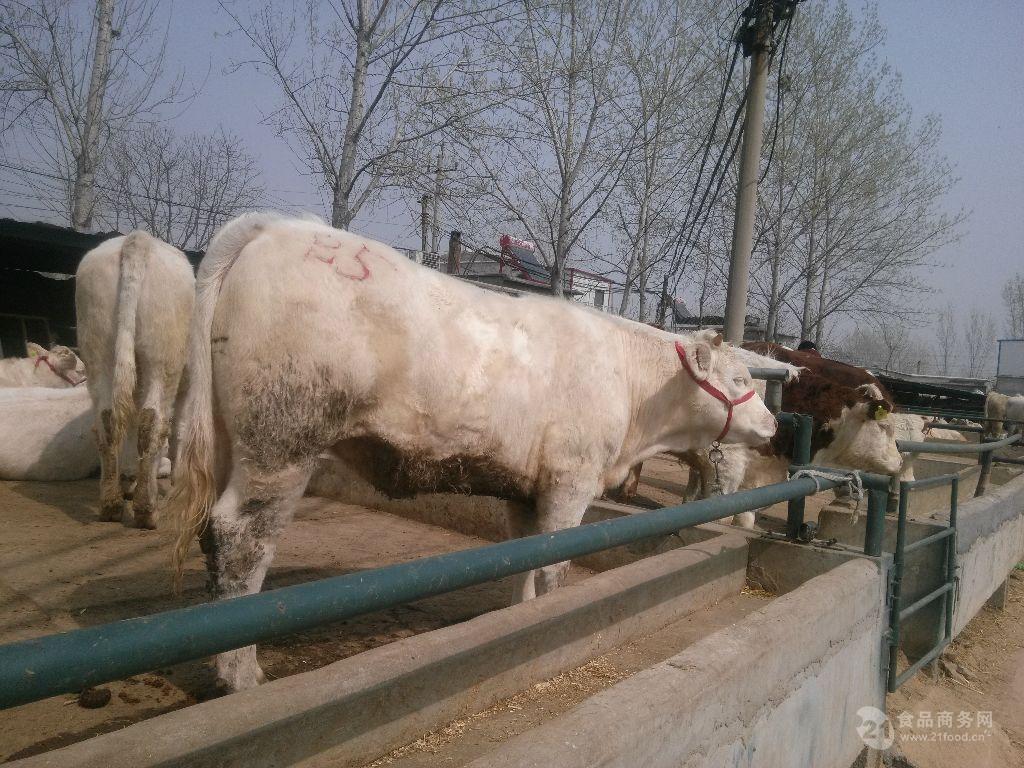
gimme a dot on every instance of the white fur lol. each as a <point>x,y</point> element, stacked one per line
<point>327,338</point>
<point>58,368</point>
<point>133,300</point>
<point>47,434</point>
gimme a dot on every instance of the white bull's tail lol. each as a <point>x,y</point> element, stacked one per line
<point>135,252</point>
<point>195,472</point>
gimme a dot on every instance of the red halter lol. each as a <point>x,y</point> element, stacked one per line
<point>715,392</point>
<point>46,359</point>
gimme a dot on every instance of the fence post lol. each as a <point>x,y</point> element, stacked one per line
<point>454,252</point>
<point>802,425</point>
<point>986,471</point>
<point>773,395</point>
<point>874,531</point>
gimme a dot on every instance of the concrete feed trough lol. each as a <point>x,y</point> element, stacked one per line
<point>712,647</point>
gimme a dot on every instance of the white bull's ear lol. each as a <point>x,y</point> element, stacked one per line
<point>34,350</point>
<point>698,359</point>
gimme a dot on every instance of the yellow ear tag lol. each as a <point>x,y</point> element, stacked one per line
<point>881,414</point>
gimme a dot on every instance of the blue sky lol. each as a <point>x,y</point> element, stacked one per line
<point>963,61</point>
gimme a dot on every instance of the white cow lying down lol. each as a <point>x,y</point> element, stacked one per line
<point>59,367</point>
<point>306,339</point>
<point>46,434</point>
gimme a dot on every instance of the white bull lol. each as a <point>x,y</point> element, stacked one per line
<point>1014,418</point>
<point>133,300</point>
<point>308,339</point>
<point>47,434</point>
<point>59,368</point>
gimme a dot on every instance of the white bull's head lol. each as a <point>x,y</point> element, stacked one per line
<point>725,407</point>
<point>60,361</point>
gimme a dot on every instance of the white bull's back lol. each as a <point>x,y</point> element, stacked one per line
<point>414,352</point>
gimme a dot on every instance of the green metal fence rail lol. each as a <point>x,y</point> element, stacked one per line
<point>46,666</point>
<point>946,591</point>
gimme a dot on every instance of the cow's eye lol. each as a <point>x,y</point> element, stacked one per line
<point>739,381</point>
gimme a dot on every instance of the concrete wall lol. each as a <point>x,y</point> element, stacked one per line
<point>359,708</point>
<point>990,542</point>
<point>780,688</point>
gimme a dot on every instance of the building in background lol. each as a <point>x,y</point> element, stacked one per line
<point>1010,367</point>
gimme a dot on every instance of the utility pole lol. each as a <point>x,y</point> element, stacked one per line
<point>756,37</point>
<point>424,222</point>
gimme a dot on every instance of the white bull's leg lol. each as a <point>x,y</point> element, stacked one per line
<point>522,522</point>
<point>240,545</point>
<point>560,507</point>
<point>152,425</point>
<point>109,446</point>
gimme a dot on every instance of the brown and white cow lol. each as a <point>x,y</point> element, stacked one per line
<point>58,368</point>
<point>852,429</point>
<point>133,300</point>
<point>307,339</point>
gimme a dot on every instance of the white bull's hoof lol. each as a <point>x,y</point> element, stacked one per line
<point>239,670</point>
<point>164,469</point>
<point>743,520</point>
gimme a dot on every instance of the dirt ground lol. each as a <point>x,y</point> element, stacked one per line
<point>663,483</point>
<point>61,569</point>
<point>982,671</point>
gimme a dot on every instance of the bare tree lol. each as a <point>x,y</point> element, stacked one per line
<point>364,84</point>
<point>883,345</point>
<point>1013,298</point>
<point>947,340</point>
<point>667,63</point>
<point>979,340</point>
<point>70,84</point>
<point>179,188</point>
<point>550,156</point>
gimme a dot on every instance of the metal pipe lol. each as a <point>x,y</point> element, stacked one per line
<point>985,475</point>
<point>1007,460</point>
<point>907,446</point>
<point>769,374</point>
<point>874,530</point>
<point>802,426</point>
<point>46,666</point>
<point>897,586</point>
<point>773,396</point>
<point>944,533</point>
<point>950,602</point>
<point>919,604</point>
<point>956,427</point>
<point>914,668</point>
<point>930,482</point>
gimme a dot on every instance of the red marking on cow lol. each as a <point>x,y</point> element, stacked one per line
<point>366,270</point>
<point>318,245</point>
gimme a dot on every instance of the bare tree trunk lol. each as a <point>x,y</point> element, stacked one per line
<point>808,315</point>
<point>558,259</point>
<point>642,258</point>
<point>819,323</point>
<point>435,235</point>
<point>342,212</point>
<point>83,196</point>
